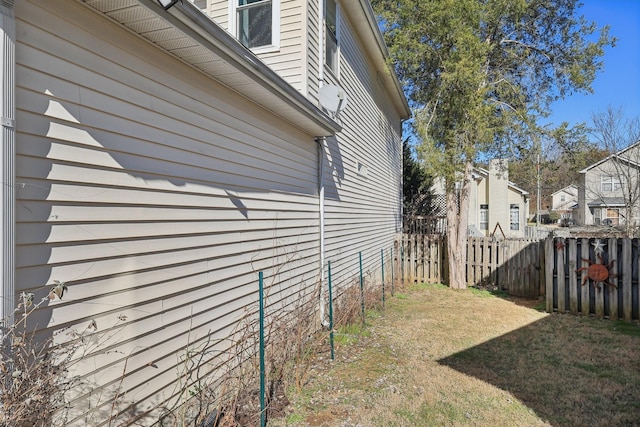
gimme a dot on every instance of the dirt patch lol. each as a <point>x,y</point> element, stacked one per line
<point>439,357</point>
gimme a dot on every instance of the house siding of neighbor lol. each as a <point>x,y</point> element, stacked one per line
<point>607,189</point>
<point>500,207</point>
<point>564,200</point>
<point>159,166</point>
<point>496,205</point>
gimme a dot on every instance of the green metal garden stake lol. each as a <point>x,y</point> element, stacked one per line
<point>382,257</point>
<point>361,287</point>
<point>330,312</point>
<point>263,420</point>
<point>392,269</point>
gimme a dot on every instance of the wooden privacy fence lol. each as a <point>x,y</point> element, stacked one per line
<point>608,289</point>
<point>514,265</point>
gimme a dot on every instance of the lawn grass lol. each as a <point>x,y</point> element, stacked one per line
<point>441,357</point>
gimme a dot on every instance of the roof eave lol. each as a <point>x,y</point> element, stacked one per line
<point>254,80</point>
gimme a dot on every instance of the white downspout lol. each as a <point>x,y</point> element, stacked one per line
<point>321,296</point>
<point>321,152</point>
<point>7,159</point>
<point>321,43</point>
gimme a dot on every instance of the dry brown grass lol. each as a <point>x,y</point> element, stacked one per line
<point>439,357</point>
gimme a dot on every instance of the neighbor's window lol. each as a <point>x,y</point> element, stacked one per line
<point>514,214</point>
<point>610,183</point>
<point>257,22</point>
<point>484,217</point>
<point>562,198</point>
<point>597,216</point>
<point>331,49</point>
<point>613,215</point>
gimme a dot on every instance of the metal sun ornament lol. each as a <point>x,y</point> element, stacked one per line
<point>599,273</point>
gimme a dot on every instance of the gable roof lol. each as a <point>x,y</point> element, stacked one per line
<point>570,189</point>
<point>484,173</point>
<point>611,156</point>
<point>187,33</point>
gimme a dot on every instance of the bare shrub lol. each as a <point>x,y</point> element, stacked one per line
<point>34,376</point>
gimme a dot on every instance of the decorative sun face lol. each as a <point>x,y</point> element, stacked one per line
<point>599,273</point>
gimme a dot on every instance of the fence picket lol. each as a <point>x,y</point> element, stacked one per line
<point>613,290</point>
<point>549,262</point>
<point>561,275</point>
<point>627,283</point>
<point>572,252</point>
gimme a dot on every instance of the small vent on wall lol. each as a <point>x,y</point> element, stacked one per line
<point>362,169</point>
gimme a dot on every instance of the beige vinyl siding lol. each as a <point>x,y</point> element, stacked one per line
<point>363,212</point>
<point>156,194</point>
<point>313,59</point>
<point>289,61</point>
<point>219,12</point>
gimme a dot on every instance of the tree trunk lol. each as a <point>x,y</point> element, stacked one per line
<point>457,224</point>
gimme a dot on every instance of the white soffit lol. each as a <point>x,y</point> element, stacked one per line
<point>187,33</point>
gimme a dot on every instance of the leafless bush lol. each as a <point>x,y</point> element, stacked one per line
<point>34,376</point>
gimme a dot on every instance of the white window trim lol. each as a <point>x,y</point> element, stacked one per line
<point>275,26</point>
<point>336,72</point>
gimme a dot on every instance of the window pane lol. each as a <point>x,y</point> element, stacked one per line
<point>331,16</point>
<point>254,24</point>
<point>331,35</point>
<point>514,214</point>
<point>484,217</point>
<point>331,53</point>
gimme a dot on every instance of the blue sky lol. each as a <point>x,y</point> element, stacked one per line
<point>618,84</point>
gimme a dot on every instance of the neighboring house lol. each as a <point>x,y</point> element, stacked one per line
<point>564,201</point>
<point>496,205</point>
<point>609,191</point>
<point>159,164</point>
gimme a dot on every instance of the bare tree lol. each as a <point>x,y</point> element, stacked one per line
<point>612,186</point>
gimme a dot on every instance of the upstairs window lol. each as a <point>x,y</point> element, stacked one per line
<point>484,217</point>
<point>514,215</point>
<point>610,183</point>
<point>331,49</point>
<point>256,23</point>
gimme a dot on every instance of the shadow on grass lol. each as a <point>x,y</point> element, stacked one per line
<point>571,371</point>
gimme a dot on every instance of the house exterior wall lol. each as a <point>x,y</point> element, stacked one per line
<point>364,207</point>
<point>594,198</point>
<point>289,60</point>
<point>156,195</point>
<point>498,195</point>
<point>570,195</point>
<point>493,189</point>
<point>515,199</point>
<point>363,195</point>
<point>593,191</point>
